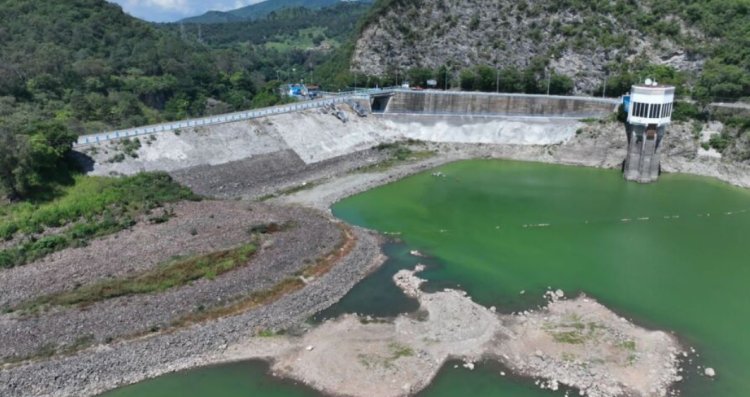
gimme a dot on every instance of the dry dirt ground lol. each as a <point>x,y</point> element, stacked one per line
<point>578,343</point>
<point>197,228</point>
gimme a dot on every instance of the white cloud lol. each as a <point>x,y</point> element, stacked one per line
<point>172,10</point>
<point>182,6</point>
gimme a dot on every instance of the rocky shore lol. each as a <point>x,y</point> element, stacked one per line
<point>577,343</point>
<point>106,365</point>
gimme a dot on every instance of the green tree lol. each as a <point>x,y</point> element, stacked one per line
<point>30,161</point>
<point>468,79</point>
<point>486,78</point>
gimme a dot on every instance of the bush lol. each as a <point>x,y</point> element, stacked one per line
<point>720,141</point>
<point>97,206</point>
<point>684,111</point>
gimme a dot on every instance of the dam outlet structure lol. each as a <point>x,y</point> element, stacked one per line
<point>649,107</point>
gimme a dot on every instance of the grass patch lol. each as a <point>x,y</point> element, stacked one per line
<point>628,345</point>
<point>289,191</point>
<point>570,337</point>
<point>91,207</point>
<point>169,275</point>
<point>399,350</point>
<point>130,147</point>
<point>399,155</point>
<point>288,285</point>
<point>269,333</point>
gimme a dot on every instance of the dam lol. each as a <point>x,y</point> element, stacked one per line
<point>396,101</point>
<point>486,104</point>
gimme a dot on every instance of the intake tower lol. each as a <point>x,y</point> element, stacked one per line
<point>649,109</point>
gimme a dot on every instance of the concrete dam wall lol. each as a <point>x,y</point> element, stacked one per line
<point>485,104</point>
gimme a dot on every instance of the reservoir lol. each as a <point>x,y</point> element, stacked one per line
<point>671,256</point>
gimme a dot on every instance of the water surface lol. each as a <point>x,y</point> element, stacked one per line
<point>671,255</point>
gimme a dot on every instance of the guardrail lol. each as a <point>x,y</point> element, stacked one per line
<point>330,98</point>
<point>206,121</point>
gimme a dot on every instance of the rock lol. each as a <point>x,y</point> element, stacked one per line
<point>710,372</point>
<point>559,294</point>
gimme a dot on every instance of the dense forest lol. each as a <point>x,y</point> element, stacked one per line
<point>83,66</point>
<point>263,9</point>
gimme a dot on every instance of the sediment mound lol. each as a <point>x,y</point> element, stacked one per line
<point>578,343</point>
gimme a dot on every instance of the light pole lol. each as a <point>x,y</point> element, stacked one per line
<point>549,79</point>
<point>447,72</point>
<point>497,79</point>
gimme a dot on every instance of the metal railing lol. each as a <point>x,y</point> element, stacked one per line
<point>330,98</point>
<point>210,120</point>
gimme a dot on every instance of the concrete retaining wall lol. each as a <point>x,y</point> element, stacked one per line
<point>449,103</point>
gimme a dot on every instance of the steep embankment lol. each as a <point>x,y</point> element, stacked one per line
<point>583,40</point>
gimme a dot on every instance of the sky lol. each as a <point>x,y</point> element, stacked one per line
<point>173,10</point>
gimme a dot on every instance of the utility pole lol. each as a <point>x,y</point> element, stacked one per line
<point>549,79</point>
<point>497,79</point>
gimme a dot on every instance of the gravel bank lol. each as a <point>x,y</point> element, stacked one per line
<point>109,365</point>
<point>224,224</point>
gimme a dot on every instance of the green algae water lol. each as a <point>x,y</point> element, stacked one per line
<point>672,256</point>
<point>245,379</point>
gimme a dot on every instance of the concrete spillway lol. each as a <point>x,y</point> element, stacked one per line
<point>478,104</point>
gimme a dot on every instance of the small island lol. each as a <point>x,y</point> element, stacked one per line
<point>577,343</point>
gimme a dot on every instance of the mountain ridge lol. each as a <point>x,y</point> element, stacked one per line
<point>594,43</point>
<point>261,10</point>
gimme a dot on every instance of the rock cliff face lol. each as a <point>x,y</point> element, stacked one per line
<point>579,39</point>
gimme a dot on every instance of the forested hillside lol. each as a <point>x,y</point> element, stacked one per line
<point>291,28</point>
<point>88,65</point>
<point>77,66</point>
<point>701,45</point>
<point>263,9</point>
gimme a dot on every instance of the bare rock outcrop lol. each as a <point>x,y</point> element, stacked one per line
<point>505,33</point>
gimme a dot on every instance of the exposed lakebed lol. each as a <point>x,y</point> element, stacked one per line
<point>671,256</point>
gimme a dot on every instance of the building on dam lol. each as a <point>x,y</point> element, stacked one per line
<point>649,107</point>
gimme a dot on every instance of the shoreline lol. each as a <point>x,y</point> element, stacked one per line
<point>330,191</point>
